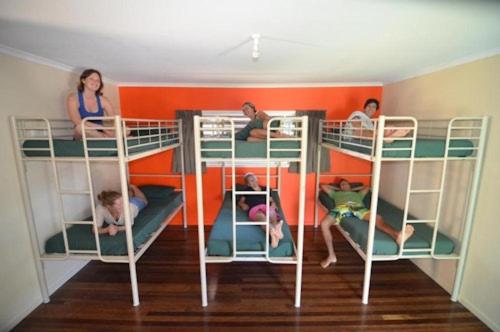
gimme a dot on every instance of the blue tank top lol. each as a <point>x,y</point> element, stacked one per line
<point>83,112</point>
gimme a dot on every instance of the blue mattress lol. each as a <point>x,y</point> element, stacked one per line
<point>80,237</point>
<point>249,237</point>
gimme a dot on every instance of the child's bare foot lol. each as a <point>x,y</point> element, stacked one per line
<point>278,228</point>
<point>408,232</point>
<point>274,237</point>
<point>328,261</point>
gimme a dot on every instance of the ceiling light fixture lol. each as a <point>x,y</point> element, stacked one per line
<point>255,50</point>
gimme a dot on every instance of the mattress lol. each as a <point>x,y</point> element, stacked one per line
<point>80,237</point>
<point>384,244</point>
<point>245,149</point>
<point>74,148</point>
<point>425,147</point>
<point>249,237</point>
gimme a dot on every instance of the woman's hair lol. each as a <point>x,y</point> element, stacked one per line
<point>86,73</point>
<point>370,101</point>
<point>249,104</point>
<point>108,197</point>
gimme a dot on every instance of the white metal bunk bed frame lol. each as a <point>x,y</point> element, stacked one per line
<point>227,126</point>
<point>336,136</point>
<point>48,129</point>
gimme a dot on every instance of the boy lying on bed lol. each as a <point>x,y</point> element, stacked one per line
<point>257,208</point>
<point>349,203</point>
<point>109,212</point>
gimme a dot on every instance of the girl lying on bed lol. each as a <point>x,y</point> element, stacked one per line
<point>257,209</point>
<point>349,203</point>
<point>109,212</point>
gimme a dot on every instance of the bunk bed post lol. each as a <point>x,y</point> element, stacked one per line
<point>199,203</point>
<point>318,170</point>
<point>470,213</point>
<point>302,193</point>
<point>373,207</point>
<point>183,174</point>
<point>126,210</point>
<point>28,212</point>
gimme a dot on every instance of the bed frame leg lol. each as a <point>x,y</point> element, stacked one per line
<point>133,283</point>
<point>366,280</point>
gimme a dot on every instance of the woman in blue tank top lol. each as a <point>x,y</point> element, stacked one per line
<point>88,101</point>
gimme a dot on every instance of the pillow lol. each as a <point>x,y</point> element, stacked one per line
<point>326,200</point>
<point>156,191</point>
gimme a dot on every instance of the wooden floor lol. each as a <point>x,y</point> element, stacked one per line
<point>250,296</point>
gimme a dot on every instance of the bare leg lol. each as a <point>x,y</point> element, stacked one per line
<point>327,222</point>
<point>272,231</point>
<point>397,236</point>
<point>390,133</point>
<point>77,133</point>
<point>261,134</point>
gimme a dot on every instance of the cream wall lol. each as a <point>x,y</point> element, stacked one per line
<point>29,89</point>
<point>471,89</point>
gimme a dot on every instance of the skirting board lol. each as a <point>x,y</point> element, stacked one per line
<point>479,314</point>
<point>53,286</point>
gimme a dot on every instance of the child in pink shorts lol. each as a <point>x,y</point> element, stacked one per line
<point>257,209</point>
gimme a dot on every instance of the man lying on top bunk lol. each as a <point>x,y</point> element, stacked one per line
<point>348,203</point>
<point>256,129</point>
<point>363,120</point>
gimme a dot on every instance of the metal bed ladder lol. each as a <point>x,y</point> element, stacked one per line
<point>410,191</point>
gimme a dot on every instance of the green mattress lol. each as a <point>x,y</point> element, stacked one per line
<point>426,147</point>
<point>245,149</point>
<point>249,237</point>
<point>80,237</point>
<point>74,148</point>
<point>384,244</point>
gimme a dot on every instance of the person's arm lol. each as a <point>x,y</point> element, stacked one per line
<point>364,191</point>
<point>242,204</point>
<point>99,219</point>
<point>72,107</point>
<point>108,108</point>
<point>264,117</point>
<point>138,193</point>
<point>359,188</point>
<point>327,189</point>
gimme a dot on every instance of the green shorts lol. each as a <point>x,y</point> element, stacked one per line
<point>344,211</point>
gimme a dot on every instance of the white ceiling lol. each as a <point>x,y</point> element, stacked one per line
<point>208,42</point>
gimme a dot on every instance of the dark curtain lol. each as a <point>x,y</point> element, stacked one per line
<point>312,144</point>
<point>187,117</point>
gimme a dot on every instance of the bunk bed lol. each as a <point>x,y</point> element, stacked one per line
<point>233,237</point>
<point>51,140</point>
<point>434,141</point>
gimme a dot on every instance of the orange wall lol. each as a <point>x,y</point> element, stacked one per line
<point>161,102</point>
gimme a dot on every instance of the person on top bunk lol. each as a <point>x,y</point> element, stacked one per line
<point>256,207</point>
<point>349,203</point>
<point>109,212</point>
<point>88,101</point>
<point>256,129</point>
<point>362,119</point>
